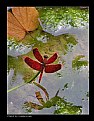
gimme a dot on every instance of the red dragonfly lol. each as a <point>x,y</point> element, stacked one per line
<point>43,64</point>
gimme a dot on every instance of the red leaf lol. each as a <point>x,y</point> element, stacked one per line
<point>37,55</point>
<point>52,68</point>
<point>52,59</point>
<point>33,64</point>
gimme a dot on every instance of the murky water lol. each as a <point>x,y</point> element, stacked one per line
<point>78,81</point>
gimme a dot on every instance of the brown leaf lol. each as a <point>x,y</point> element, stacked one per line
<point>45,91</point>
<point>33,105</point>
<point>21,21</point>
<point>39,97</point>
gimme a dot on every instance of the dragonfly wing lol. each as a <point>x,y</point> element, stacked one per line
<point>37,55</point>
<point>52,59</point>
<point>33,64</point>
<point>52,68</point>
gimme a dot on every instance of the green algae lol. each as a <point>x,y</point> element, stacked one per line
<point>64,16</point>
<point>77,63</point>
<point>67,108</point>
<point>62,107</point>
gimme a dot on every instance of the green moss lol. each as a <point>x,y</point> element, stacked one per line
<point>48,104</point>
<point>67,108</point>
<point>62,107</point>
<point>65,16</point>
<point>77,63</point>
<point>78,57</point>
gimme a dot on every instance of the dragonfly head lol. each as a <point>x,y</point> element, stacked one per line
<point>45,56</point>
<point>45,59</point>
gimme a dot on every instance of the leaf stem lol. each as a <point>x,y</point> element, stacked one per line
<point>45,91</point>
<point>14,88</point>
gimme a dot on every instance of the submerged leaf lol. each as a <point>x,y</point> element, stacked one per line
<point>18,66</point>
